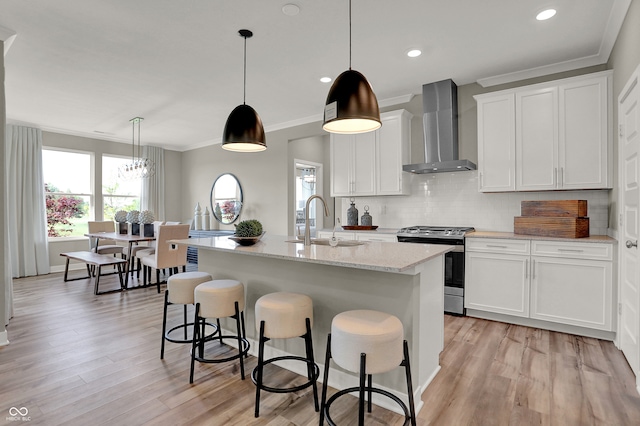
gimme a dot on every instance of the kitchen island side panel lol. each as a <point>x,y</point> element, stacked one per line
<point>414,296</point>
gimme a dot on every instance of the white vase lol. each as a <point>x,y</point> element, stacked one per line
<point>205,219</point>
<point>197,221</point>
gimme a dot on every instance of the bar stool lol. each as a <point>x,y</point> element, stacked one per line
<point>367,342</point>
<point>285,315</point>
<point>218,299</point>
<point>180,288</point>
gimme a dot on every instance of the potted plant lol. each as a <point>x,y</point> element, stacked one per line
<point>121,218</point>
<point>145,219</point>
<point>248,232</point>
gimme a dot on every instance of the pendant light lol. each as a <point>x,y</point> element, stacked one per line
<point>351,105</point>
<point>243,131</point>
<point>138,168</point>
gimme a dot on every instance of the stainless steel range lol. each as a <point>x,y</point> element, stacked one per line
<point>454,260</point>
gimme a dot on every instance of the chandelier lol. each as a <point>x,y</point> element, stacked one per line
<point>138,168</point>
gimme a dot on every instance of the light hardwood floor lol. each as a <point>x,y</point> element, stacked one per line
<point>78,359</point>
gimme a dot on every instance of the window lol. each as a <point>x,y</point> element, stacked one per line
<point>68,192</point>
<point>118,193</point>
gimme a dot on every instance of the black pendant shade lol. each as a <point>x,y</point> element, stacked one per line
<point>351,105</point>
<point>243,131</point>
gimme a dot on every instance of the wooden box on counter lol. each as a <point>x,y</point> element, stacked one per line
<point>554,208</point>
<point>563,227</point>
<point>553,218</point>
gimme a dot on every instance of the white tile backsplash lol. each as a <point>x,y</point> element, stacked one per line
<point>452,199</point>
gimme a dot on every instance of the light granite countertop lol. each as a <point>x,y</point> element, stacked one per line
<point>374,255</point>
<point>511,236</point>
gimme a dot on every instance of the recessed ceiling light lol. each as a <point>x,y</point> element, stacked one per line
<point>290,9</point>
<point>414,53</point>
<point>325,79</point>
<point>546,14</point>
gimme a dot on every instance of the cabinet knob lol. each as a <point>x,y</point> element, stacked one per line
<point>630,244</point>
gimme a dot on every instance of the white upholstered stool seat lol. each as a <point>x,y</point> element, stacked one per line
<point>218,299</point>
<point>180,288</point>
<point>376,334</point>
<point>284,315</point>
<point>367,342</point>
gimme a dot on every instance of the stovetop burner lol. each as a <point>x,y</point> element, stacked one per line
<point>435,231</point>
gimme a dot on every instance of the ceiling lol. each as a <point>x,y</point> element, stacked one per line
<point>86,67</point>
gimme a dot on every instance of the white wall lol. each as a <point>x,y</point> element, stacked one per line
<point>452,199</point>
<point>173,183</point>
<point>264,177</point>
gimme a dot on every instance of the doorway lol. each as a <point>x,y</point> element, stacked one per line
<point>629,254</point>
<point>307,182</point>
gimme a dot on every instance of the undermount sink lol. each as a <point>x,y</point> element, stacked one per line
<point>325,242</point>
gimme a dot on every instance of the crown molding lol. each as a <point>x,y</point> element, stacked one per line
<point>611,31</point>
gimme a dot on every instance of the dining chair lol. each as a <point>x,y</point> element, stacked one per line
<point>102,245</point>
<point>166,256</point>
<point>143,249</point>
<point>105,246</point>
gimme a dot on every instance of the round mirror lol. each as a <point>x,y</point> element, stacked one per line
<point>226,198</point>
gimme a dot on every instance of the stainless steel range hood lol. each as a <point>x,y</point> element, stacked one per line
<point>440,122</point>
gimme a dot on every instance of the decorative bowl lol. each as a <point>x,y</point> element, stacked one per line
<point>246,241</point>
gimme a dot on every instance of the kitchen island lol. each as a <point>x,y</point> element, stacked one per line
<point>405,280</point>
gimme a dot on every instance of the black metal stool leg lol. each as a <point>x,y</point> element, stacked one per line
<point>327,360</point>
<point>259,368</point>
<point>185,321</point>
<point>370,393</point>
<point>308,341</point>
<point>363,366</point>
<point>239,330</point>
<point>244,332</point>
<point>196,336</point>
<point>407,367</point>
<point>164,322</point>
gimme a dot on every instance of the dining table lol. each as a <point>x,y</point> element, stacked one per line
<point>125,238</point>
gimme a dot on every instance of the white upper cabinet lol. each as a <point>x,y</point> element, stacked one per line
<point>393,146</point>
<point>585,114</point>
<point>536,139</point>
<point>352,159</point>
<point>370,163</point>
<point>549,136</point>
<point>496,143</point>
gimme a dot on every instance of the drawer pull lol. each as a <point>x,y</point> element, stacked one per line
<point>496,246</point>
<point>571,250</point>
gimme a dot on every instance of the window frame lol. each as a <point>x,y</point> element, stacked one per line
<point>91,195</point>
<point>103,195</point>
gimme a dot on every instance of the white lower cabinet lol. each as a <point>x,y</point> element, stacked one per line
<point>497,276</point>
<point>573,286</point>
<point>365,236</point>
<point>562,282</point>
<point>360,236</point>
<point>339,235</point>
<point>507,295</point>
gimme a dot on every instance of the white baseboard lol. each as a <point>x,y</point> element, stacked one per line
<point>4,338</point>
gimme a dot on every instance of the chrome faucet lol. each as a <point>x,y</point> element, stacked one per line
<point>307,231</point>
